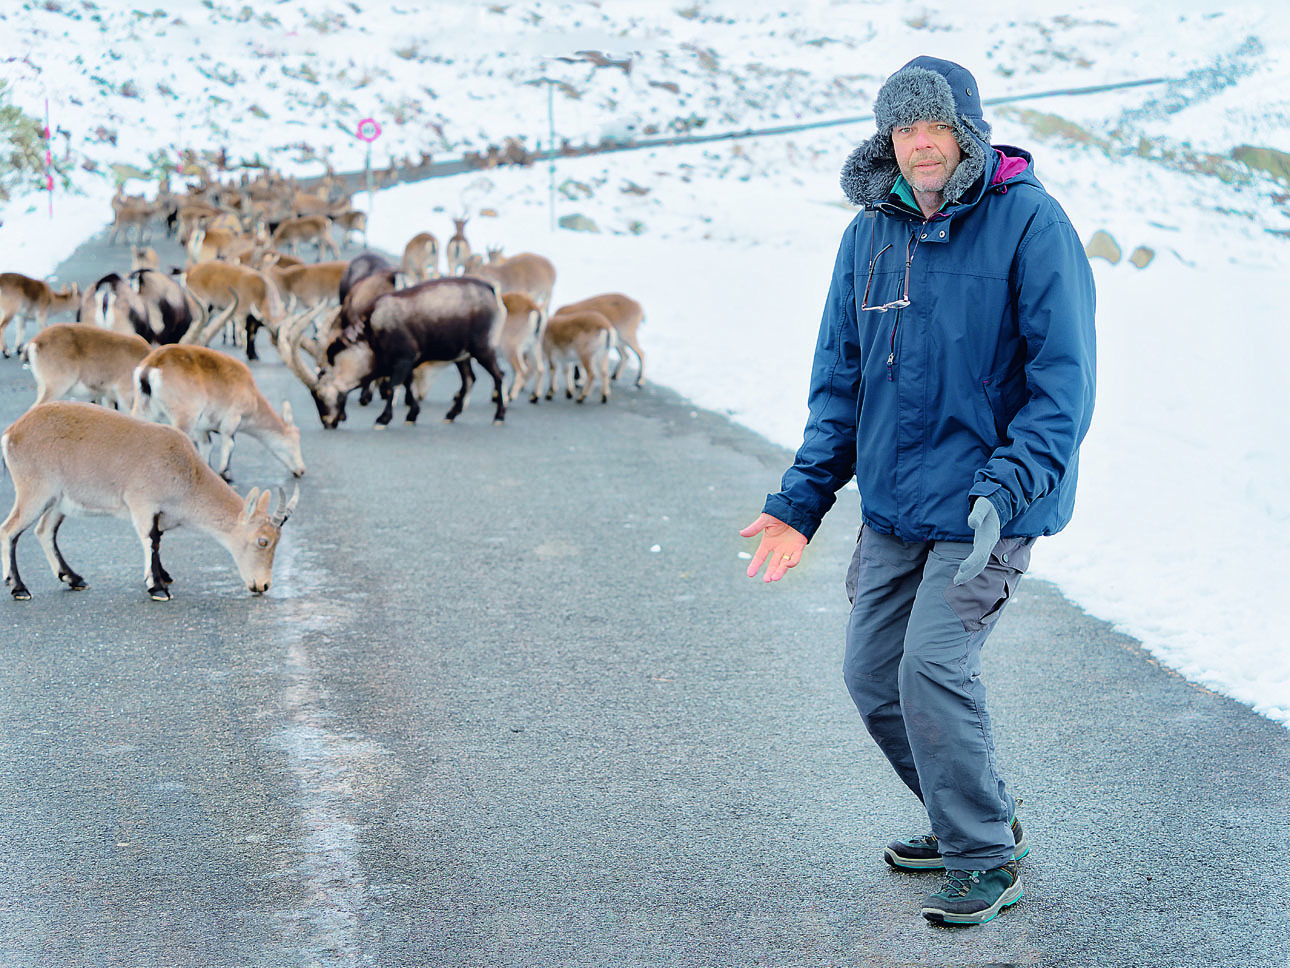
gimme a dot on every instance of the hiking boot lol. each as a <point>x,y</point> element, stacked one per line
<point>922,853</point>
<point>974,897</point>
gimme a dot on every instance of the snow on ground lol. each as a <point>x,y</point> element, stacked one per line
<point>1180,533</point>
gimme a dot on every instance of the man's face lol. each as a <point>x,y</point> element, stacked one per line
<point>927,153</point>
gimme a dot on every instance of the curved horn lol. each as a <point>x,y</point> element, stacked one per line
<point>289,347</point>
<point>285,507</point>
<point>212,324</point>
<point>200,316</point>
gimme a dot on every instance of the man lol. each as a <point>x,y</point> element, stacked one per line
<point>954,379</point>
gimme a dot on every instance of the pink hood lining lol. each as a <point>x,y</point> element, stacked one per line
<point>1009,165</point>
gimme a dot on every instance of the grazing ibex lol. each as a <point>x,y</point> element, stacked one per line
<point>217,284</point>
<point>21,297</point>
<point>421,257</point>
<point>70,458</point>
<point>202,392</point>
<point>69,359</point>
<point>306,228</point>
<point>448,320</point>
<point>626,314</point>
<point>457,251</point>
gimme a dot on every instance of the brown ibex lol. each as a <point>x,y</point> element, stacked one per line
<point>70,458</point>
<point>457,251</point>
<point>306,228</point>
<point>202,392</point>
<point>448,320</point>
<point>527,273</point>
<point>626,314</point>
<point>22,297</point>
<point>73,358</point>
<point>421,257</point>
<point>585,338</point>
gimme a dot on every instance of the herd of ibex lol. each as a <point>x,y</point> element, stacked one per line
<point>143,447</point>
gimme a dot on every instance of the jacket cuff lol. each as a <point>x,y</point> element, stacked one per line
<point>999,497</point>
<point>779,507</point>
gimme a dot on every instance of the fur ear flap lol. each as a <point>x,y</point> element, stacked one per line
<point>248,508</point>
<point>870,171</point>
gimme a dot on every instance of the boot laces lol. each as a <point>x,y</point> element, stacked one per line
<point>959,883</point>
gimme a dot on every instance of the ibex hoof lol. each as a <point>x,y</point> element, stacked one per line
<point>159,594</point>
<point>21,594</point>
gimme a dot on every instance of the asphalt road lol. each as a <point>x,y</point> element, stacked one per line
<point>512,702</point>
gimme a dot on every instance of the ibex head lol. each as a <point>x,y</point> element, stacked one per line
<point>258,532</point>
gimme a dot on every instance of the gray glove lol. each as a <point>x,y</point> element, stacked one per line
<point>984,521</point>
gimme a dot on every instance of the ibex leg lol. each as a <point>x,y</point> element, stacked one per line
<point>47,532</point>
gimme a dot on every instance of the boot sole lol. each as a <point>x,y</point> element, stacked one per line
<point>1008,898</point>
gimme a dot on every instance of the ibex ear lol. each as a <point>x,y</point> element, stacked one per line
<point>262,505</point>
<point>286,413</point>
<point>249,507</point>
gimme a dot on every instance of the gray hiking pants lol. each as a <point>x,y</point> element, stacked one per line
<point>913,668</point>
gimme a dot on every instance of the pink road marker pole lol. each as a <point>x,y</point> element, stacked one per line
<point>49,162</point>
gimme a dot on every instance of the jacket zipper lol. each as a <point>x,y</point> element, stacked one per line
<point>895,324</point>
<point>891,358</point>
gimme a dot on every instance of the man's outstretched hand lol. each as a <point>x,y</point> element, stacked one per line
<point>781,546</point>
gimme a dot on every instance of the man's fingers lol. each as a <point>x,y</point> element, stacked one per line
<point>780,562</point>
<point>972,566</point>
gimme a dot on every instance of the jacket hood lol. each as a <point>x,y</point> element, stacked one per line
<point>925,89</point>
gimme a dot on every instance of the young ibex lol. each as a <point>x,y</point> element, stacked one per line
<point>626,314</point>
<point>202,391</point>
<point>21,297</point>
<point>69,359</point>
<point>521,341</point>
<point>584,337</point>
<point>70,458</point>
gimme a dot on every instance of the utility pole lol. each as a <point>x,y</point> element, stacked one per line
<point>550,145</point>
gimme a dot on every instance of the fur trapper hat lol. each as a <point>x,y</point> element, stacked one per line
<point>925,89</point>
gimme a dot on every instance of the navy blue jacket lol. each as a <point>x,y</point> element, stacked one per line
<point>982,386</point>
